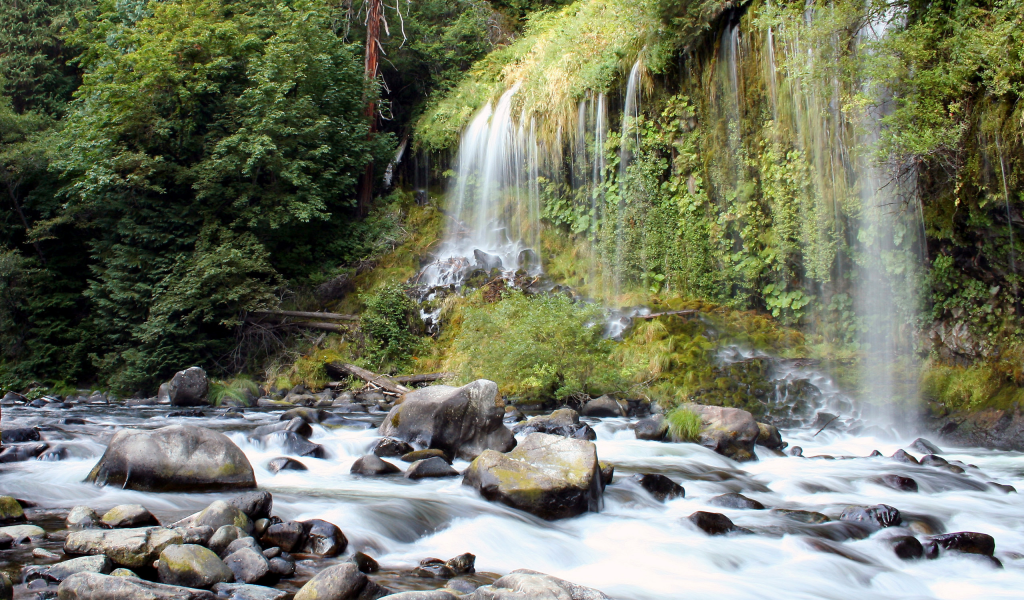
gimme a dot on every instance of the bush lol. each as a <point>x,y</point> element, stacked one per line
<point>241,389</point>
<point>684,425</point>
<point>389,321</point>
<point>537,348</point>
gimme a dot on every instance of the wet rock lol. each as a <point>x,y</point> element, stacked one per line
<point>323,538</point>
<point>340,582</point>
<point>524,584</point>
<point>44,554</point>
<point>796,451</point>
<point>607,474</point>
<point>391,447</point>
<point>462,564</point>
<point>84,564</point>
<point>281,566</point>
<point>94,586</point>
<point>11,398</point>
<point>462,422</point>
<point>461,585</point>
<point>297,426</point>
<point>132,548</point>
<point>53,454</point>
<point>416,455</point>
<point>564,422</point>
<point>175,458</point>
<point>487,261</point>
<point>730,432</point>
<point>769,437</point>
<point>194,413</point>
<point>309,415</point>
<point>287,536</point>
<point>245,591</point>
<point>371,464</point>
<point>968,542</point>
<point>838,549</point>
<point>192,566</point>
<point>803,516</point>
<point>283,463</point>
<point>906,547</point>
<point>260,527</point>
<point>20,534</point>
<point>365,562</point>
<point>242,544</point>
<point>605,406</point>
<point>20,435</point>
<point>71,421</point>
<point>10,511</point>
<point>423,595</point>
<point>298,445</point>
<point>122,572</point>
<point>247,565</point>
<point>197,535</point>
<point>223,537</point>
<point>931,460</point>
<point>219,514</point>
<point>659,486</point>
<point>1006,489</point>
<point>433,567</point>
<point>6,586</point>
<point>733,500</point>
<point>513,415</point>
<point>82,517</point>
<point>881,515</point>
<point>255,505</point>
<point>128,515</point>
<point>22,452</point>
<point>549,476</point>
<point>903,457</point>
<point>897,482</point>
<point>188,387</point>
<point>925,447</point>
<point>430,467</point>
<point>712,523</point>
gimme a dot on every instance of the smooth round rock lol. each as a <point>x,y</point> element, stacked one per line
<point>128,515</point>
<point>659,486</point>
<point>192,566</point>
<point>284,463</point>
<point>371,465</point>
<point>430,467</point>
<point>733,500</point>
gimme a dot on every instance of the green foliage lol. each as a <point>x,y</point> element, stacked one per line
<point>239,390</point>
<point>684,425</point>
<point>390,321</point>
<point>538,348</point>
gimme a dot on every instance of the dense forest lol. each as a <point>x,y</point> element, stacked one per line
<point>171,166</point>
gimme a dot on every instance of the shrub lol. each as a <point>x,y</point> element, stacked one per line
<point>389,321</point>
<point>684,425</point>
<point>240,389</point>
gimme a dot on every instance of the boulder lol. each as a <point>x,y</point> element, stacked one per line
<point>731,432</point>
<point>244,591</point>
<point>82,517</point>
<point>712,523</point>
<point>20,435</point>
<point>875,517</point>
<point>462,422</point>
<point>906,547</point>
<point>298,426</point>
<point>188,387</point>
<point>925,447</point>
<point>769,437</point>
<point>652,428</point>
<point>128,515</point>
<point>340,582</point>
<point>434,466</point>
<point>198,535</point>
<point>283,463</point>
<point>83,564</point>
<point>524,584</point>
<point>192,566</point>
<point>322,538</point>
<point>550,476</point>
<point>240,544</point>
<point>371,464</point>
<point>177,458</point>
<point>733,500</point>
<point>222,538</point>
<point>605,406</point>
<point>416,455</point>
<point>132,548</point>
<point>287,536</point>
<point>94,586</point>
<point>897,482</point>
<point>247,565</point>
<point>255,505</point>
<point>660,487</point>
<point>904,457</point>
<point>963,541</point>
<point>564,421</point>
<point>390,447</point>
<point>10,511</point>
<point>219,514</point>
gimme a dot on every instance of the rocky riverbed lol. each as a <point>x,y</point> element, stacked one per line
<point>853,517</point>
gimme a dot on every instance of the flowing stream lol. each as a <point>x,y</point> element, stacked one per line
<point>635,548</point>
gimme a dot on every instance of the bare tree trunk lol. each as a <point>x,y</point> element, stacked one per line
<point>373,18</point>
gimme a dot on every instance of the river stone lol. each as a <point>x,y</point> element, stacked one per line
<point>904,457</point>
<point>10,511</point>
<point>434,567</point>
<point>423,595</point>
<point>127,516</point>
<point>283,463</point>
<point>605,406</point>
<point>287,536</point>
<point>177,458</point>
<point>462,422</point>
<point>132,548</point>
<point>197,535</point>
<point>549,476</point>
<point>963,541</point>
<point>906,547</point>
<point>20,533</point>
<point>712,523</point>
<point>82,517</point>
<point>365,562</point>
<point>19,435</point>
<point>340,582</point>
<point>244,591</point>
<point>282,567</point>
<point>83,564</point>
<point>897,482</point>
<point>733,500</point>
<point>415,455</point>
<point>391,447</point>
<point>309,415</point>
<point>803,516</point>
<point>95,586</point>
<point>434,466</point>
<point>297,426</point>
<point>769,437</point>
<point>564,421</point>
<point>652,428</point>
<point>239,544</point>
<point>6,587</point>
<point>660,487</point>
<point>881,515</point>
<point>731,432</point>
<point>322,538</point>
<point>122,572</point>
<point>188,387</point>
<point>371,464</point>
<point>462,564</point>
<point>925,447</point>
<point>247,565</point>
<point>193,566</point>
<point>219,514</point>
<point>223,537</point>
<point>524,584</point>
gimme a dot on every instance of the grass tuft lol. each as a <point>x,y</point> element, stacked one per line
<point>684,425</point>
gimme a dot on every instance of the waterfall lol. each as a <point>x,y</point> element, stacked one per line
<point>627,147</point>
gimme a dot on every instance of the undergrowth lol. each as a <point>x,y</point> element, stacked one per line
<point>684,425</point>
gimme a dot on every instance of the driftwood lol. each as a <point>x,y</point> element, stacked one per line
<point>306,315</point>
<point>425,378</point>
<point>678,313</point>
<point>381,381</point>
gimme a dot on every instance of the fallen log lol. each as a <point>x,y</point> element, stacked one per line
<point>425,378</point>
<point>306,315</point>
<point>336,327</point>
<point>678,313</point>
<point>380,381</point>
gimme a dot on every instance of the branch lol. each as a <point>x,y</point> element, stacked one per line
<point>381,381</point>
<point>306,315</point>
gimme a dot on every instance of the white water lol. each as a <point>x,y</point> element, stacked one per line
<point>635,548</point>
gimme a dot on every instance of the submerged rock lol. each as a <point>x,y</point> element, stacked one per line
<point>462,422</point>
<point>881,515</point>
<point>524,584</point>
<point>549,476</point>
<point>733,500</point>
<point>712,523</point>
<point>283,463</point>
<point>94,586</point>
<point>660,487</point>
<point>174,458</point>
<point>564,422</point>
<point>897,482</point>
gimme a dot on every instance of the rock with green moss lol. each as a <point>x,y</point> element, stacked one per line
<point>221,513</point>
<point>95,586</point>
<point>122,572</point>
<point>132,548</point>
<point>82,517</point>
<point>550,476</point>
<point>731,432</point>
<point>192,566</point>
<point>769,437</point>
<point>462,422</point>
<point>524,584</point>
<point>21,533</point>
<point>128,515</point>
<point>177,458</point>
<point>10,511</point>
<point>341,582</point>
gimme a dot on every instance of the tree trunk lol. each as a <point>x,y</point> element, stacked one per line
<point>373,17</point>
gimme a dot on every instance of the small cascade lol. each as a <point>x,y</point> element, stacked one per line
<point>628,145</point>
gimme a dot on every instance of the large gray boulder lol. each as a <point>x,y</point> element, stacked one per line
<point>188,387</point>
<point>730,432</point>
<point>177,458</point>
<point>94,586</point>
<point>550,476</point>
<point>461,422</point>
<point>132,548</point>
<point>341,582</point>
<point>524,584</point>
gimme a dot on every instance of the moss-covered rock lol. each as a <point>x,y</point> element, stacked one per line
<point>128,515</point>
<point>192,566</point>
<point>10,511</point>
<point>132,548</point>
<point>728,431</point>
